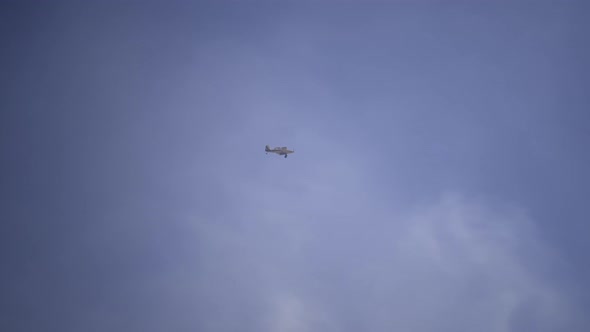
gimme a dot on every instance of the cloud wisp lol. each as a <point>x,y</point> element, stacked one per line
<point>324,255</point>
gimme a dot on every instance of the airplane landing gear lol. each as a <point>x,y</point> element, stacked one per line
<point>285,156</point>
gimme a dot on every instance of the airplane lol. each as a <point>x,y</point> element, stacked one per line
<point>282,151</point>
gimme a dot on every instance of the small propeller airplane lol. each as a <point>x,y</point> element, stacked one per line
<point>282,151</point>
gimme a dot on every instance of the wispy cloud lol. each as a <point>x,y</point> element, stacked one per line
<point>327,256</point>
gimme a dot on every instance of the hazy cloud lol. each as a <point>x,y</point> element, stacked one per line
<point>324,255</point>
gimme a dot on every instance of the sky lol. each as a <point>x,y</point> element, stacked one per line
<point>439,181</point>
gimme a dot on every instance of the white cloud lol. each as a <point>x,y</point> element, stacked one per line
<point>454,265</point>
<point>463,265</point>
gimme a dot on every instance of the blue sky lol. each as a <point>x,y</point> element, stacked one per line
<point>439,181</point>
